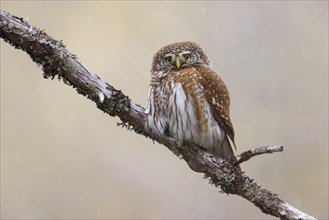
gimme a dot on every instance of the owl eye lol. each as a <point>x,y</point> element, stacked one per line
<point>187,57</point>
<point>168,59</point>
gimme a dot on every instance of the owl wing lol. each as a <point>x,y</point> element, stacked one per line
<point>218,98</point>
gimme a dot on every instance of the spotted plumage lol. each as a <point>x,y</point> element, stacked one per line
<point>189,101</point>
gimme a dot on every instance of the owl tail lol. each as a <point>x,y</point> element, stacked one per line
<point>225,151</point>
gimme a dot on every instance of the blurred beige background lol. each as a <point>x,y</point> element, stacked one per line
<point>63,158</point>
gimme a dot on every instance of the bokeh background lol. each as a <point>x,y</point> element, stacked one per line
<point>63,158</point>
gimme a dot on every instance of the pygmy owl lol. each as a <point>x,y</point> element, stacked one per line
<point>189,102</point>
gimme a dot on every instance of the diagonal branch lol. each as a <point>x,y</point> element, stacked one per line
<point>56,61</point>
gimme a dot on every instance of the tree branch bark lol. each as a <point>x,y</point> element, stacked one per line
<point>56,61</point>
<point>255,152</point>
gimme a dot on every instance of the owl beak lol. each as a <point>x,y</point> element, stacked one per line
<point>178,65</point>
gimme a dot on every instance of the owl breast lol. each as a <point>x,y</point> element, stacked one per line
<point>178,107</point>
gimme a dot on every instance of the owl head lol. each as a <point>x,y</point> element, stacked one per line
<point>178,56</point>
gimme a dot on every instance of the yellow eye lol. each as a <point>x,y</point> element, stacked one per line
<point>168,59</point>
<point>187,57</point>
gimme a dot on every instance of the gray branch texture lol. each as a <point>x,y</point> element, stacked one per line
<point>56,61</point>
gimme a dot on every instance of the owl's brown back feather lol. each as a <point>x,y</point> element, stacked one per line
<point>218,98</point>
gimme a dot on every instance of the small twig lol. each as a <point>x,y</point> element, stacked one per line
<point>256,151</point>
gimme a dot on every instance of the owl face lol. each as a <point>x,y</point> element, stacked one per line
<point>178,56</point>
